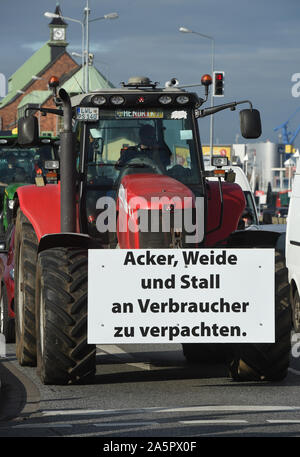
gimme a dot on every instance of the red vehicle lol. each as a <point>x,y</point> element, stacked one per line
<point>7,314</point>
<point>109,155</point>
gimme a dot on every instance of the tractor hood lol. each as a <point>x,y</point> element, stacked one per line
<point>151,187</point>
<point>152,209</point>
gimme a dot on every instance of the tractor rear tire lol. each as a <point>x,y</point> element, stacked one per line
<point>63,354</point>
<point>207,353</point>
<point>262,361</point>
<point>26,245</point>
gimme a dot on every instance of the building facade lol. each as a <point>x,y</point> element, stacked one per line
<point>28,86</point>
<point>266,164</point>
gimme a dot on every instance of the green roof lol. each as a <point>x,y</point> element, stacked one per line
<point>33,66</point>
<point>96,81</point>
<point>37,97</point>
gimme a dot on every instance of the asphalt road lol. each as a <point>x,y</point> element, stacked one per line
<point>149,391</point>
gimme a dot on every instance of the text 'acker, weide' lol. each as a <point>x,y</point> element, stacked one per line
<point>189,258</point>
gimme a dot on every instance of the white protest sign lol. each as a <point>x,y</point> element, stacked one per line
<point>181,296</point>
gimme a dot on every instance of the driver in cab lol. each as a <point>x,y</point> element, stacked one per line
<point>149,147</point>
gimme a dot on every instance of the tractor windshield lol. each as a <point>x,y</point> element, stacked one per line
<point>18,165</point>
<point>150,141</point>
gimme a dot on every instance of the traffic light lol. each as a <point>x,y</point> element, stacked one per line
<point>218,83</point>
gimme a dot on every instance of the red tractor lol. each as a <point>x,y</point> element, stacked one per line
<point>138,141</point>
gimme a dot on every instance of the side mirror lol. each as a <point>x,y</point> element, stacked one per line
<point>250,123</point>
<point>28,131</point>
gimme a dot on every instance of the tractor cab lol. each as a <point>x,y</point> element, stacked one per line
<point>139,127</point>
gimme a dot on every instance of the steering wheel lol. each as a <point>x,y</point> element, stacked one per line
<point>142,161</point>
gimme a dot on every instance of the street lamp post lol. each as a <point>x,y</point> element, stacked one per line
<point>87,45</point>
<point>87,22</point>
<point>211,133</point>
<point>85,38</point>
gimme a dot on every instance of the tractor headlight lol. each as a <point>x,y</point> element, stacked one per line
<point>117,100</point>
<point>11,204</point>
<point>165,99</point>
<point>219,161</point>
<point>51,164</point>
<point>98,100</point>
<point>182,99</point>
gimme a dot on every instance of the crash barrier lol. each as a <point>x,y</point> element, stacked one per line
<point>275,220</point>
<point>278,220</point>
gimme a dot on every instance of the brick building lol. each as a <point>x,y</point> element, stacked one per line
<point>28,86</point>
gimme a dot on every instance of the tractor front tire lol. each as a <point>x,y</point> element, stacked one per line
<point>26,245</point>
<point>269,362</point>
<point>63,354</point>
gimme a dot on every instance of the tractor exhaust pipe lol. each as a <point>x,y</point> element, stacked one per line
<point>67,169</point>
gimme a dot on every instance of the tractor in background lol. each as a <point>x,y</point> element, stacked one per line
<point>18,167</point>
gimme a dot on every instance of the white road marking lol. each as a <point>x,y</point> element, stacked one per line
<point>214,408</point>
<point>213,421</point>
<point>205,408</point>
<point>42,426</point>
<point>283,421</point>
<point>153,423</point>
<point>80,412</point>
<point>124,424</point>
<point>116,351</point>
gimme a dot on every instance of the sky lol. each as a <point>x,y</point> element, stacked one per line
<point>257,45</point>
